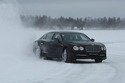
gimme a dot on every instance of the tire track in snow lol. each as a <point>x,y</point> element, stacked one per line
<point>80,73</point>
<point>117,60</point>
<point>118,65</point>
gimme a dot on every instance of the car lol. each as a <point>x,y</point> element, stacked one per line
<point>69,46</point>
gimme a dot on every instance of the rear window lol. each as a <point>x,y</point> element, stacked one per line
<point>49,36</point>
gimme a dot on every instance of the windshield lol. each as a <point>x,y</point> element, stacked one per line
<point>74,37</point>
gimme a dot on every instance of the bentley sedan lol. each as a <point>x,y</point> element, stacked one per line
<point>68,47</point>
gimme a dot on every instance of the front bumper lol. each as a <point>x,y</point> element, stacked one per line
<point>100,55</point>
<point>88,55</point>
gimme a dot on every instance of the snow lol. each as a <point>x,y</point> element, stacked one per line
<point>18,64</point>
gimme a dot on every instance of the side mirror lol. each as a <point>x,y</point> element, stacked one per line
<point>92,40</point>
<point>56,40</point>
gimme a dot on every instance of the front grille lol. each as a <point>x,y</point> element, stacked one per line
<point>93,48</point>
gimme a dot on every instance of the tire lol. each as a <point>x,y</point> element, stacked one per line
<point>38,52</point>
<point>67,57</point>
<point>98,60</point>
<point>48,58</point>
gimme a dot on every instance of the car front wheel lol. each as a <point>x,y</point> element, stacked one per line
<point>66,57</point>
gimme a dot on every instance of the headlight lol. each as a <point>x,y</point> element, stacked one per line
<point>81,48</point>
<point>103,48</point>
<point>75,47</point>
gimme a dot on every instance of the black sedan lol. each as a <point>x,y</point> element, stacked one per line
<point>69,46</point>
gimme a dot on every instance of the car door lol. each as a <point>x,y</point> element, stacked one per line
<point>57,47</point>
<point>47,45</point>
<point>52,48</point>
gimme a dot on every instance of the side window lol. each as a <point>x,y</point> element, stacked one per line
<point>57,36</point>
<point>49,36</point>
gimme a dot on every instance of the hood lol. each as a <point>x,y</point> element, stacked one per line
<point>86,43</point>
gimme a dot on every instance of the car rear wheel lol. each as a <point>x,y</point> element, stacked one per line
<point>38,52</point>
<point>66,57</point>
<point>98,60</point>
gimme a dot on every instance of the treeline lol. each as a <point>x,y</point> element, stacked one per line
<point>45,22</point>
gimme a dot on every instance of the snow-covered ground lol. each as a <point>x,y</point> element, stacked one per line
<point>18,64</point>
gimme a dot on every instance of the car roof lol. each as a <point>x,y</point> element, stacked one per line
<point>64,32</point>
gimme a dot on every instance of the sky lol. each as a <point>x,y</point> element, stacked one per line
<point>73,8</point>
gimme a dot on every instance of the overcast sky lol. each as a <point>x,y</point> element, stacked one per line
<point>73,8</point>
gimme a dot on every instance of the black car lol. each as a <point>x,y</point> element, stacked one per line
<point>69,46</point>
